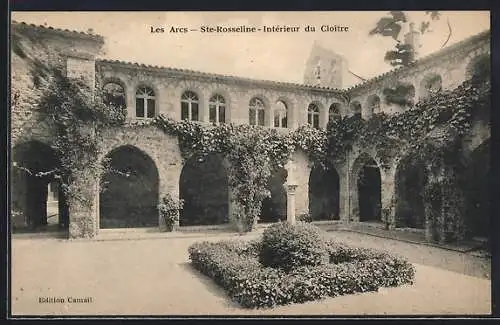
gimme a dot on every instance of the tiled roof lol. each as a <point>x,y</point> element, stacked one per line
<point>423,60</point>
<point>97,37</point>
<point>67,32</point>
<point>214,75</point>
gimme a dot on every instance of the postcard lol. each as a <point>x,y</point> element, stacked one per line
<point>232,163</point>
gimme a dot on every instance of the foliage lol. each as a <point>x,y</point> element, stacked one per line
<point>401,94</point>
<point>403,55</point>
<point>450,110</point>
<point>313,142</point>
<point>77,114</point>
<point>391,26</point>
<point>288,246</point>
<point>304,217</point>
<point>251,151</point>
<point>169,210</point>
<point>236,268</point>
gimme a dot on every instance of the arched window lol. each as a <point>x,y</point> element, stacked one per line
<point>280,115</point>
<point>189,106</point>
<point>479,68</point>
<point>145,103</point>
<point>356,108</point>
<point>256,112</point>
<point>334,112</point>
<point>375,104</point>
<point>114,95</point>
<point>372,106</point>
<point>430,85</point>
<point>217,108</point>
<point>313,115</point>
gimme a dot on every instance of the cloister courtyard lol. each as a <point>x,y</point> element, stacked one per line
<point>149,274</point>
<point>118,168</point>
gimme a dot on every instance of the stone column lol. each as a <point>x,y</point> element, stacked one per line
<point>344,194</point>
<point>388,186</point>
<point>290,203</point>
<point>291,187</point>
<point>82,212</point>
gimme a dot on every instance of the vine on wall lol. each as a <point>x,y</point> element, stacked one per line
<point>436,123</point>
<point>78,114</point>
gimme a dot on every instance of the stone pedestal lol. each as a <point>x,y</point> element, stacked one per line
<point>291,187</point>
<point>290,203</point>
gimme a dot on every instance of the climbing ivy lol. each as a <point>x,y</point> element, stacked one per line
<point>435,123</point>
<point>251,151</point>
<point>442,117</point>
<point>77,114</point>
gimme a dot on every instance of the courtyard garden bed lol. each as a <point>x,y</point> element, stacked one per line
<point>295,264</point>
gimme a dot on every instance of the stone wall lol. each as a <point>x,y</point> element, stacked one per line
<point>162,149</point>
<point>450,64</point>
<point>170,84</point>
<point>35,49</point>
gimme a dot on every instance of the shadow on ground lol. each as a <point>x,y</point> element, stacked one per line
<point>210,284</point>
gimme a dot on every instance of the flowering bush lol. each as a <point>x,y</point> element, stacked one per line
<point>304,217</point>
<point>169,211</point>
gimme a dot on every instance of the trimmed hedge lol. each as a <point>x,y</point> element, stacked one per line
<point>235,266</point>
<point>289,246</point>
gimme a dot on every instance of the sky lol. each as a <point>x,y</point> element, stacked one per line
<point>270,56</point>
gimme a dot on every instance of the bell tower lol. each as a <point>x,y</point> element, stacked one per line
<point>325,68</point>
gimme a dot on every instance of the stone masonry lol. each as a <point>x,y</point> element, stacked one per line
<point>77,54</point>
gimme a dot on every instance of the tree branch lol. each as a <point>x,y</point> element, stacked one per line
<point>449,33</point>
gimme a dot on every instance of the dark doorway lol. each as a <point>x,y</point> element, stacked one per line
<point>410,181</point>
<point>129,195</point>
<point>204,189</point>
<point>369,192</point>
<point>38,201</point>
<point>477,192</point>
<point>274,207</point>
<point>324,193</point>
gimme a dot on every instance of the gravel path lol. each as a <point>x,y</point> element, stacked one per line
<point>153,277</point>
<point>464,263</point>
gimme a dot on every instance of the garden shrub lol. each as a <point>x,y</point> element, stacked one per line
<point>304,217</point>
<point>235,266</point>
<point>287,246</point>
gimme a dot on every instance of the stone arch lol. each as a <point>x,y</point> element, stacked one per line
<point>203,185</point>
<point>355,108</point>
<point>259,104</point>
<point>410,180</point>
<point>274,207</point>
<point>38,201</point>
<point>334,112</point>
<point>398,96</point>
<point>430,84</point>
<point>366,191</point>
<point>372,106</point>
<point>114,93</point>
<point>129,190</point>
<point>324,193</point>
<point>477,191</point>
<point>479,67</point>
<point>281,113</point>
